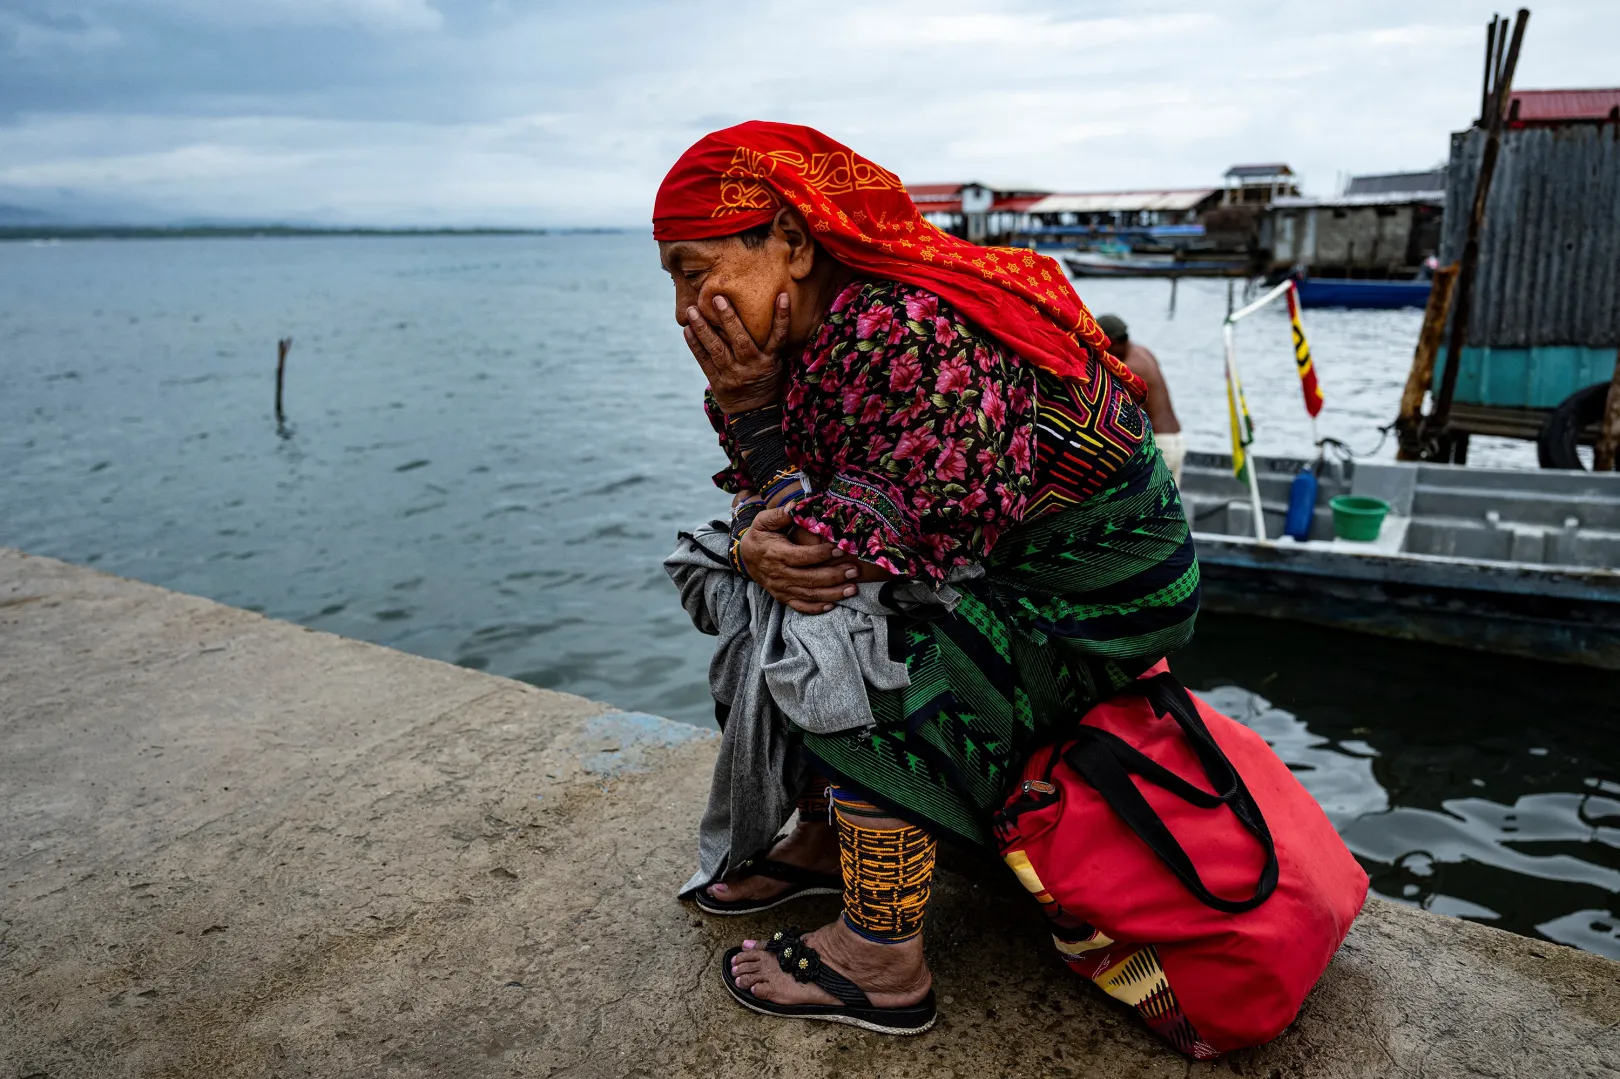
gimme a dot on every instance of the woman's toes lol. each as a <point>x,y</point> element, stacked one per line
<point>750,975</point>
<point>720,891</point>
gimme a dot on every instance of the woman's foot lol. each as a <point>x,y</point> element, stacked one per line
<point>812,845</point>
<point>891,975</point>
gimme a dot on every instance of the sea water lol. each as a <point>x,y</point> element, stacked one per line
<point>490,443</point>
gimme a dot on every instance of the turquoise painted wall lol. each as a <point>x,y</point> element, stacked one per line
<point>1538,377</point>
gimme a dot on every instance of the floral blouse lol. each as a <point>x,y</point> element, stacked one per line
<point>917,431</point>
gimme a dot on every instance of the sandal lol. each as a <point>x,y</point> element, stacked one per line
<point>802,961</point>
<point>802,882</point>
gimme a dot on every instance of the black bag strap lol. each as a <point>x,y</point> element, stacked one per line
<point>1107,762</point>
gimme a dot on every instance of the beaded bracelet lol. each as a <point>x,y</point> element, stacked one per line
<point>758,434</point>
<point>736,551</point>
<point>786,480</point>
<point>744,426</point>
<point>744,514</point>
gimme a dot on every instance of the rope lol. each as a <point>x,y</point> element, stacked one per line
<point>1346,453</point>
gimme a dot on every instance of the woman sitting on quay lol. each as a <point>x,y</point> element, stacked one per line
<point>900,405</point>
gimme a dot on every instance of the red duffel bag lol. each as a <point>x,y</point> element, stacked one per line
<point>1186,871</point>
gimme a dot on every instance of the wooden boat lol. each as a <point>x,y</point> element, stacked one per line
<point>1339,292</point>
<point>1496,560</point>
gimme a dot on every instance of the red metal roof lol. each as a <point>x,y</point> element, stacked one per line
<point>947,199</point>
<point>1562,106</point>
<point>936,198</point>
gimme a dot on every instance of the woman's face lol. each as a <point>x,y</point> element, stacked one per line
<point>750,278</point>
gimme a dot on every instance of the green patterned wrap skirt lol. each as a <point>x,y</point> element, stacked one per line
<point>1072,606</point>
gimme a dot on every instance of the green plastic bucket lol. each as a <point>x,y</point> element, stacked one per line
<point>1357,517</point>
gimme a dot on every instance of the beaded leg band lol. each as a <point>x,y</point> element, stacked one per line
<point>888,872</point>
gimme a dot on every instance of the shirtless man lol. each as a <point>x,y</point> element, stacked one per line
<point>1166,428</point>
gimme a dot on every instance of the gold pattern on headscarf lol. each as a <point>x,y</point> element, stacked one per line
<point>743,190</point>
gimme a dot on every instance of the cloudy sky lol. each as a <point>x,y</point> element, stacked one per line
<point>506,112</point>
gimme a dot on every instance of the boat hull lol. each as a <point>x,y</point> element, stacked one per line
<point>1512,561</point>
<point>1567,615</point>
<point>1328,292</point>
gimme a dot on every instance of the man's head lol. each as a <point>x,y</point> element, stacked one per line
<point>1119,337</point>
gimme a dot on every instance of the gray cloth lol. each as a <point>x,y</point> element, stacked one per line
<point>771,666</point>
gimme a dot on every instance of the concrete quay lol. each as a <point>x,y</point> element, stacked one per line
<point>230,846</point>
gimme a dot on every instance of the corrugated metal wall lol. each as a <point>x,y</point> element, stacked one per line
<point>1549,268</point>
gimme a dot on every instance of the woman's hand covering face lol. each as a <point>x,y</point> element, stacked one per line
<point>742,375</point>
<point>810,578</point>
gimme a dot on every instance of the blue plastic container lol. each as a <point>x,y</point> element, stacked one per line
<point>1301,505</point>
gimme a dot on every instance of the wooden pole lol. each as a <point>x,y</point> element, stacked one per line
<point>1608,443</point>
<point>1501,56</point>
<point>1469,262</point>
<point>1490,69</point>
<point>1409,422</point>
<point>1173,279</point>
<point>283,346</point>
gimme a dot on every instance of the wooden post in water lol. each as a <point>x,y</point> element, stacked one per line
<point>283,346</point>
<point>1608,443</point>
<point>1497,96</point>
<point>1409,422</point>
<point>1173,279</point>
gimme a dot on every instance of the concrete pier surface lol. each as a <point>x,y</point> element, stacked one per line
<point>230,846</point>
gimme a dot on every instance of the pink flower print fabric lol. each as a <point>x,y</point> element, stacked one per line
<point>916,428</point>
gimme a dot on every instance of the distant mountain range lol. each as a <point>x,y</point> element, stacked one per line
<point>181,232</point>
<point>22,215</point>
<point>35,214</point>
<point>65,206</point>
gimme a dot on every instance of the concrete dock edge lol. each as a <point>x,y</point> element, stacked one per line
<point>231,846</point>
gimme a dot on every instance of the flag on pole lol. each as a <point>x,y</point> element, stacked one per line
<point>1302,355</point>
<point>1237,411</point>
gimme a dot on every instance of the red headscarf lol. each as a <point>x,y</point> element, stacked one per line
<point>735,179</point>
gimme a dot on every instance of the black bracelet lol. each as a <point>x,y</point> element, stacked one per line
<point>745,516</point>
<point>758,434</point>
